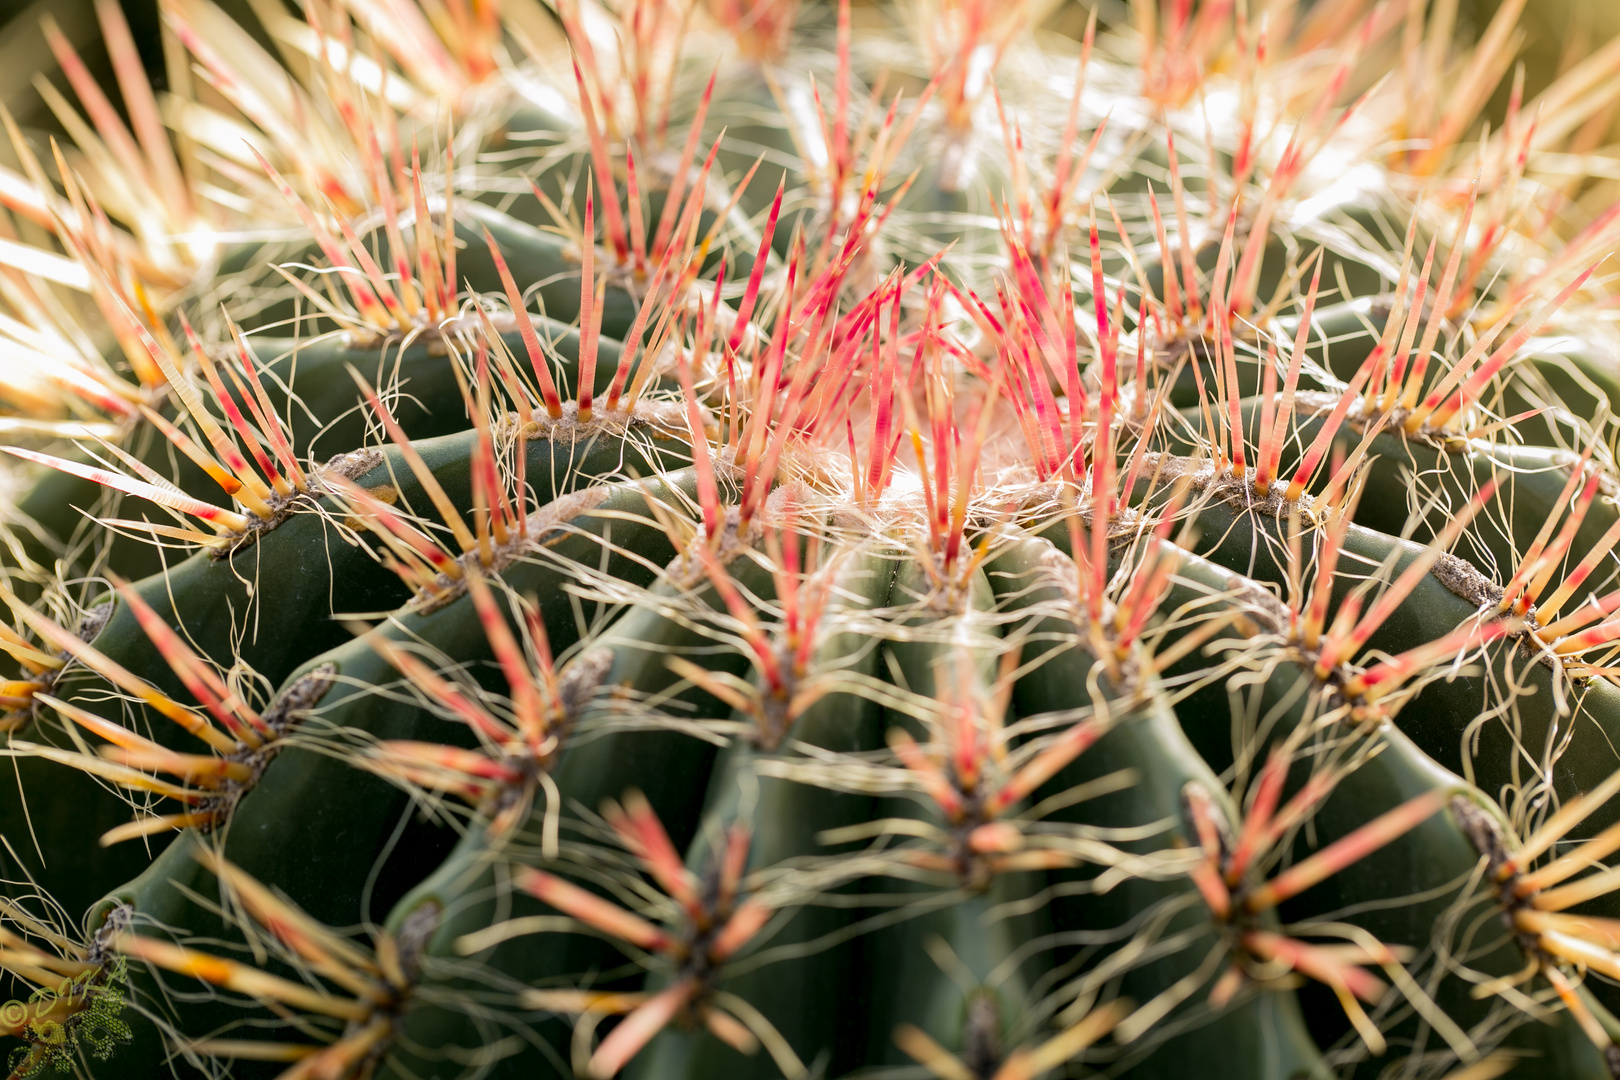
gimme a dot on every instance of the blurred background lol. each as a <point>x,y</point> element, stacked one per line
<point>1554,33</point>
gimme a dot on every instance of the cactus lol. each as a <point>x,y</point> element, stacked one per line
<point>758,539</point>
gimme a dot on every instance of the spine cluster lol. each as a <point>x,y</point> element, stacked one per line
<point>746,539</point>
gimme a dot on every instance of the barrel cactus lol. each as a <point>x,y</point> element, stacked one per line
<point>767,539</point>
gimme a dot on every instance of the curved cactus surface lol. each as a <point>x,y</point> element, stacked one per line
<point>755,539</point>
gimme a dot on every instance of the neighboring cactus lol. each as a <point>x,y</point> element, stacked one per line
<point>842,632</point>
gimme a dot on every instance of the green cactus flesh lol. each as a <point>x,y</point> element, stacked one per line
<point>739,541</point>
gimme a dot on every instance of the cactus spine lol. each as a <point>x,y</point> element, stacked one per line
<point>1023,557</point>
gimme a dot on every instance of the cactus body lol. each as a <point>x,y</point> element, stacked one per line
<point>1027,557</point>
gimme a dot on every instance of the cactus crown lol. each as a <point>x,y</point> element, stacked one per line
<point>772,539</point>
